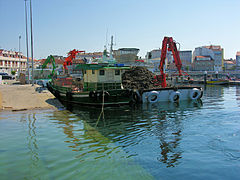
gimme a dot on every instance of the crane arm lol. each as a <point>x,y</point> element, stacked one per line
<point>177,60</point>
<point>169,45</point>
<point>50,59</point>
<point>71,55</point>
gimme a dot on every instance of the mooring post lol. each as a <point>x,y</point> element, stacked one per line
<point>205,77</point>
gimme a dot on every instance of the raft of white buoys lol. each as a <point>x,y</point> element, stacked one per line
<point>171,94</point>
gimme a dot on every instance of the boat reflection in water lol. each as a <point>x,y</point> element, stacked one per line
<point>149,130</point>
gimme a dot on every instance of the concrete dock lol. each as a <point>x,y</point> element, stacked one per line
<point>15,97</point>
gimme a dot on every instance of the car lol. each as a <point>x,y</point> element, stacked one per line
<point>6,76</point>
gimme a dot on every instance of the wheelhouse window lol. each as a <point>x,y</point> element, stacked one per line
<point>101,72</point>
<point>117,72</point>
<point>93,71</point>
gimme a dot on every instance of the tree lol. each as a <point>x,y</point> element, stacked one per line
<point>13,72</point>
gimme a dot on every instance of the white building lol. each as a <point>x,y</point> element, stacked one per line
<point>186,56</point>
<point>154,56</point>
<point>238,60</point>
<point>126,55</point>
<point>94,55</point>
<point>215,52</point>
<point>12,61</point>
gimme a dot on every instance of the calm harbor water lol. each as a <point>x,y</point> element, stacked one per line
<point>192,140</point>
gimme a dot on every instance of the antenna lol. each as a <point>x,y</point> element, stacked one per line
<point>106,38</point>
<point>111,47</point>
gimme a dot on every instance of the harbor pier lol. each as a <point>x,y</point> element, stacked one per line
<point>16,97</point>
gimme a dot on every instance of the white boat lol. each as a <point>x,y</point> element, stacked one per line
<point>171,94</point>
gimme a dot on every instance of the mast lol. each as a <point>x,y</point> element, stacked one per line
<point>31,41</point>
<point>27,42</point>
<point>111,48</point>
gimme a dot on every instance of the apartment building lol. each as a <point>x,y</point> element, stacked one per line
<point>88,56</point>
<point>126,55</point>
<point>153,57</point>
<point>203,63</point>
<point>186,59</point>
<point>12,61</point>
<point>212,51</point>
<point>238,60</point>
<point>229,64</point>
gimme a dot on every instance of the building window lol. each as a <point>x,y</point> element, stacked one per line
<point>117,72</point>
<point>93,71</point>
<point>101,72</point>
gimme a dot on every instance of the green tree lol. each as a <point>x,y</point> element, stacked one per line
<point>13,72</point>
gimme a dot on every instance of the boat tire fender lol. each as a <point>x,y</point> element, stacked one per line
<point>100,94</point>
<point>195,94</point>
<point>106,95</point>
<point>137,97</point>
<point>153,97</point>
<point>175,96</point>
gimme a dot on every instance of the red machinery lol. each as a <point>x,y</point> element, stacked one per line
<point>169,45</point>
<point>71,55</point>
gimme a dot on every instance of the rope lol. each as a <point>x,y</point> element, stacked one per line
<point>102,112</point>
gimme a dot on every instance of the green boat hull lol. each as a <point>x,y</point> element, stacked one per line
<point>114,97</point>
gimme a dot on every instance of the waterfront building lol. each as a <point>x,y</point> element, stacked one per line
<point>59,60</point>
<point>238,60</point>
<point>186,59</point>
<point>153,57</point>
<point>215,52</point>
<point>229,64</point>
<point>126,56</point>
<point>89,56</point>
<point>12,61</point>
<point>203,63</point>
<point>186,56</point>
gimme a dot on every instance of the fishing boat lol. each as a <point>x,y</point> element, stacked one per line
<point>100,84</point>
<point>103,84</point>
<point>218,82</point>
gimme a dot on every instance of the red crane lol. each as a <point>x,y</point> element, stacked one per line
<point>71,55</point>
<point>169,45</point>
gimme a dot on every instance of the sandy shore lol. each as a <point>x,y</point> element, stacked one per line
<point>24,97</point>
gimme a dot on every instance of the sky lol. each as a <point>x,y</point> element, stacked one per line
<point>62,25</point>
